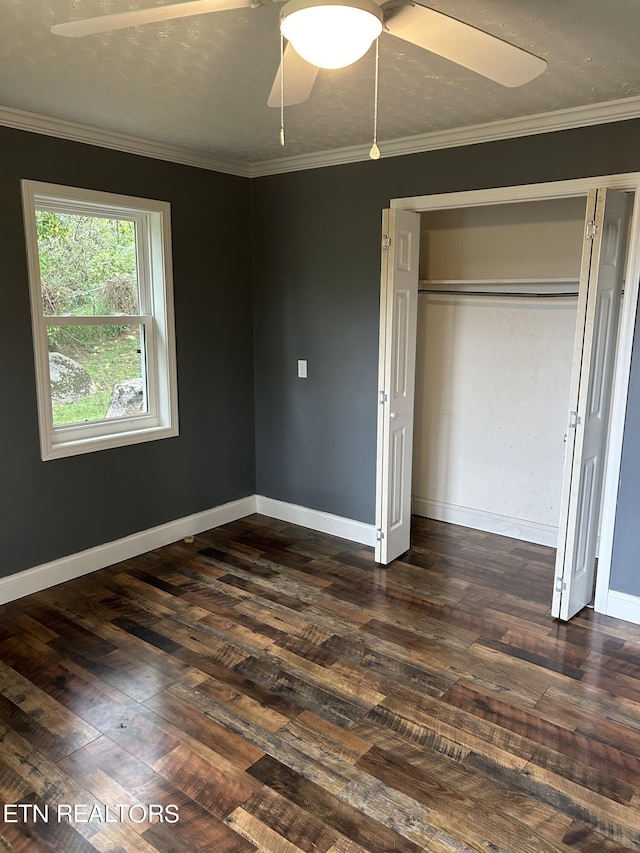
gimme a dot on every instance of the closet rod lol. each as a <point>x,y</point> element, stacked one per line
<point>563,294</point>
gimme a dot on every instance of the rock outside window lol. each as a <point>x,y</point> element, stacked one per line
<point>102,316</point>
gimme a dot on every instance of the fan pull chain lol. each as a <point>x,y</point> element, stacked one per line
<point>375,151</point>
<point>281,90</point>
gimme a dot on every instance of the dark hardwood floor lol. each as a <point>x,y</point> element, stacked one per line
<point>275,691</point>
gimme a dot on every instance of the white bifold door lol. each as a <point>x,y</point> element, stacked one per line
<point>398,324</point>
<point>601,285</point>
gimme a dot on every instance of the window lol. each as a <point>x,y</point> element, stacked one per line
<point>102,314</point>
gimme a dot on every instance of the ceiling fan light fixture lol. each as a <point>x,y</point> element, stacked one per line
<point>331,33</point>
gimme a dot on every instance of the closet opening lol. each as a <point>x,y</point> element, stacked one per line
<point>497,300</point>
<point>504,337</point>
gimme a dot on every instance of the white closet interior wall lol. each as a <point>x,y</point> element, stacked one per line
<point>493,372</point>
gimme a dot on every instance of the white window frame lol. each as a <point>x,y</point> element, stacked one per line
<point>153,249</point>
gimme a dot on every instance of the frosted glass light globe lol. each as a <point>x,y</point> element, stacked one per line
<point>331,35</point>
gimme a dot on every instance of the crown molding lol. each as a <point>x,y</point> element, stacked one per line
<point>63,129</point>
<point>574,117</point>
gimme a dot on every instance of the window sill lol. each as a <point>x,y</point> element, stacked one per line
<point>74,447</point>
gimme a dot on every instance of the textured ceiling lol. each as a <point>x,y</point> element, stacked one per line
<point>202,83</point>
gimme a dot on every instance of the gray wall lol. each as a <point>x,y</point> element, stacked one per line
<point>55,508</point>
<point>316,256</point>
<point>625,568</point>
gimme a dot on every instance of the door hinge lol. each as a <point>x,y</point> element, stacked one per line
<point>574,420</point>
<point>383,397</point>
<point>592,230</point>
<point>386,242</point>
<point>560,585</point>
<point>379,535</point>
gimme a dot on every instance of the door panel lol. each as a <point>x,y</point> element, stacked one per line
<point>601,284</point>
<point>597,390</point>
<point>398,321</point>
<point>400,342</point>
<point>397,478</point>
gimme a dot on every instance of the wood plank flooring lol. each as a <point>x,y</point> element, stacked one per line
<point>267,688</point>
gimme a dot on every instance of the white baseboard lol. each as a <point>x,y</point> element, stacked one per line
<point>66,568</point>
<point>623,606</point>
<point>324,522</point>
<point>518,528</point>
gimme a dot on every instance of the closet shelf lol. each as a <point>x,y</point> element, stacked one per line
<point>494,282</point>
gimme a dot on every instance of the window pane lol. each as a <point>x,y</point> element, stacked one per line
<point>87,264</point>
<point>96,372</point>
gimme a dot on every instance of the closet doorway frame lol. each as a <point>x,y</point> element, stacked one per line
<point>606,601</point>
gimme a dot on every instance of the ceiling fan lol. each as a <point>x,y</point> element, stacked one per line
<point>434,31</point>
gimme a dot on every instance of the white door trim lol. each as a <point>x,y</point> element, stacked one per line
<point>630,182</point>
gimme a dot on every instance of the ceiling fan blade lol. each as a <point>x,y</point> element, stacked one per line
<point>149,15</point>
<point>467,46</point>
<point>299,77</point>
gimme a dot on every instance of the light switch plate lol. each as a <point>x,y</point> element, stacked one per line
<point>302,368</point>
